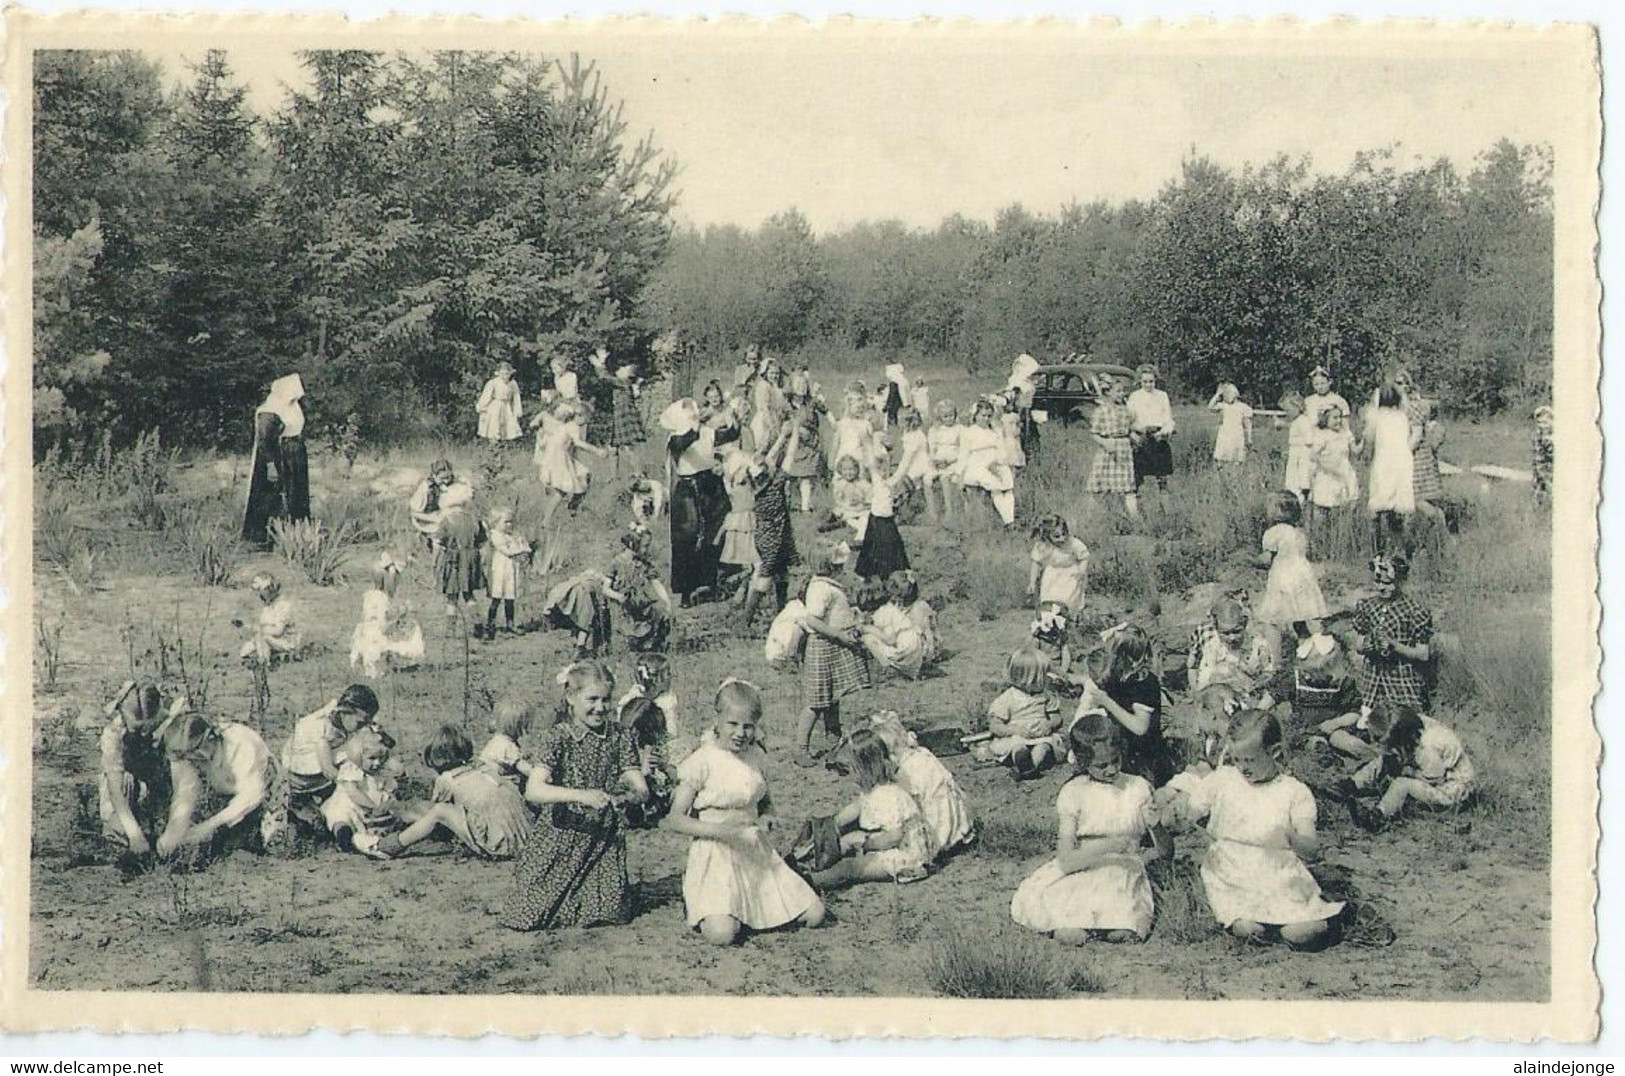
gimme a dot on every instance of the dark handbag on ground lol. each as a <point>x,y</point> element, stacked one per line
<point>817,846</point>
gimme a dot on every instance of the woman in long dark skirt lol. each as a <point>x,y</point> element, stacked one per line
<point>572,871</point>
<point>279,475</point>
<point>699,502</point>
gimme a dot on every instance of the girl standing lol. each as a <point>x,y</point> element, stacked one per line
<point>1262,822</point>
<point>914,467</point>
<point>1060,568</point>
<point>855,431</point>
<point>1321,395</point>
<point>625,420</point>
<point>1396,636</point>
<point>560,446</point>
<point>852,496</point>
<point>500,408</point>
<point>425,503</point>
<point>1333,484</point>
<point>459,567</point>
<point>738,531</point>
<point>1096,886</point>
<point>510,553</point>
<point>887,841</point>
<point>774,536</point>
<point>1235,436</point>
<point>833,664</point>
<point>805,459</point>
<point>1292,592</point>
<point>1151,416</point>
<point>1111,471</point>
<point>981,454</point>
<point>943,443</point>
<point>1391,496</point>
<point>572,870</point>
<point>735,879</point>
<point>1300,440</point>
<point>882,551</point>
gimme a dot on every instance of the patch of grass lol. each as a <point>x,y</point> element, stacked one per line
<point>315,549</point>
<point>210,551</point>
<point>1009,963</point>
<point>1004,835</point>
<point>1183,915</point>
<point>48,652</point>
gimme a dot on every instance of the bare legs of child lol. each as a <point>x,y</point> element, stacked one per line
<point>724,930</point>
<point>831,718</point>
<point>806,495</point>
<point>446,816</point>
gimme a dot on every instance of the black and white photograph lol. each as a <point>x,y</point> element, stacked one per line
<point>803,514</point>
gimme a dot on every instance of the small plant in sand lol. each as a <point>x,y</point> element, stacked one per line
<point>211,552</point>
<point>1005,963</point>
<point>314,549</point>
<point>48,653</point>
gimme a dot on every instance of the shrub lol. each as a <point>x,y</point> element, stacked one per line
<point>1008,963</point>
<point>313,548</point>
<point>210,549</point>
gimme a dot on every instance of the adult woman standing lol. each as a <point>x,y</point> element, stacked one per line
<point>279,476</point>
<point>1392,492</point>
<point>699,501</point>
<point>1151,416</point>
<point>1019,391</point>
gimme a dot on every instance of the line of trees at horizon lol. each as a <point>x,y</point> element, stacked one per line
<point>1251,275</point>
<point>401,223</point>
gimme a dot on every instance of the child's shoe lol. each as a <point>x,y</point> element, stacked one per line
<point>1367,818</point>
<point>1022,767</point>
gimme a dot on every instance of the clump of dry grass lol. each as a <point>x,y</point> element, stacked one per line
<point>1008,963</point>
<point>315,549</point>
<point>1183,916</point>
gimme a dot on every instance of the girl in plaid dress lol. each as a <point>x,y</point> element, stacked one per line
<point>1112,471</point>
<point>1396,637</point>
<point>833,665</point>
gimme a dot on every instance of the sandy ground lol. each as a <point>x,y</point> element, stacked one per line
<point>1467,894</point>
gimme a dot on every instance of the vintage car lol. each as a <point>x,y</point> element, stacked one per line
<point>1068,391</point>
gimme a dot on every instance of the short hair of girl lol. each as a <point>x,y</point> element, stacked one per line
<point>829,555</point>
<point>1404,729</point>
<point>1051,527</point>
<point>447,749</point>
<point>265,583</point>
<point>575,677</point>
<point>441,468</point>
<point>946,410</point>
<point>903,587</point>
<point>1027,669</point>
<point>1324,419</point>
<point>1388,395</point>
<point>1146,368</point>
<point>188,736</point>
<point>359,699</point>
<point>1091,733</point>
<point>840,464</point>
<point>982,404</point>
<point>1256,726</point>
<point>872,764</point>
<point>1286,508</point>
<point>739,695</point>
<point>145,703</point>
<point>911,418</point>
<point>1292,399</point>
<point>512,718</point>
<point>871,595</point>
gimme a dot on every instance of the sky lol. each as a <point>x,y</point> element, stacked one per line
<point>920,125</point>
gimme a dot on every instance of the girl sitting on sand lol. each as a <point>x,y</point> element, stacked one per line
<point>387,637</point>
<point>883,832</point>
<point>481,810</point>
<point>852,497</point>
<point>1096,886</point>
<point>891,638</point>
<point>502,756</point>
<point>134,791</point>
<point>275,637</point>
<point>948,819</point>
<point>1262,822</point>
<point>314,752</point>
<point>1422,762</point>
<point>209,763</point>
<point>1025,720</point>
<point>735,879</point>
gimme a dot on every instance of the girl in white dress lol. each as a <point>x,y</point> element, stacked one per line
<point>890,637</point>
<point>500,408</point>
<point>560,445</point>
<point>852,495</point>
<point>946,466</point>
<point>1333,483</point>
<point>855,432</point>
<point>735,880</point>
<point>884,836</point>
<point>1262,823</point>
<point>1292,592</point>
<point>1235,436</point>
<point>1300,440</point>
<point>387,637</point>
<point>982,457</point>
<point>1096,886</point>
<point>948,819</point>
<point>510,553</point>
<point>1060,568</point>
<point>1391,496</point>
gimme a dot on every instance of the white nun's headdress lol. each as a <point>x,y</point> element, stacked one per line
<point>283,402</point>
